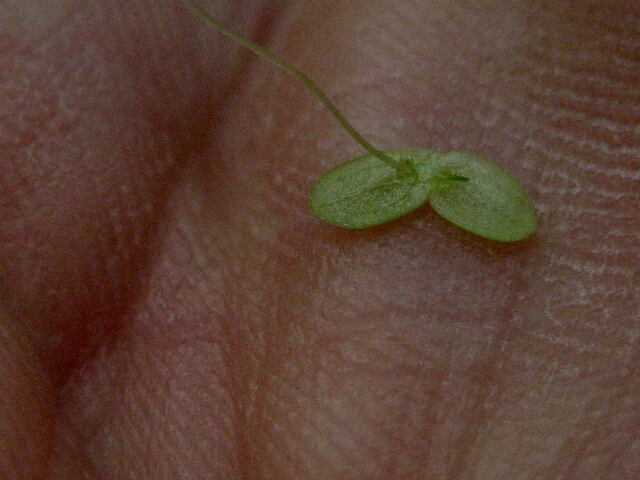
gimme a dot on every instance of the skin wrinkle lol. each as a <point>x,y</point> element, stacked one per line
<point>337,354</point>
<point>625,387</point>
<point>270,352</point>
<point>233,342</point>
<point>190,288</point>
<point>575,449</point>
<point>288,315</point>
<point>488,398</point>
<point>255,419</point>
<point>516,109</point>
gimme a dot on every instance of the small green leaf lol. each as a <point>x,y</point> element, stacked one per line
<point>366,191</point>
<point>469,190</point>
<point>491,204</point>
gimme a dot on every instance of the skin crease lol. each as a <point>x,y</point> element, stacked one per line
<point>169,308</point>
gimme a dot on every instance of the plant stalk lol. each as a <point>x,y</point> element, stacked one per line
<point>305,80</point>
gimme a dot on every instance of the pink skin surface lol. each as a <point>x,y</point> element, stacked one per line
<point>169,308</point>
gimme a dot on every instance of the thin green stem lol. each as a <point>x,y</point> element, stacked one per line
<point>304,79</point>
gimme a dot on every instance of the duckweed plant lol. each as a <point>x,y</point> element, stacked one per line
<point>469,190</point>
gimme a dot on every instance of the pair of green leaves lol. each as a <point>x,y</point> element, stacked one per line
<point>469,190</point>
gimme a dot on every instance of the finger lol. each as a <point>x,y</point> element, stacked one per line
<point>416,347</point>
<point>413,349</point>
<point>101,103</point>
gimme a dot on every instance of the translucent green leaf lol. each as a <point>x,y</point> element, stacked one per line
<point>491,204</point>
<point>366,191</point>
<point>469,190</point>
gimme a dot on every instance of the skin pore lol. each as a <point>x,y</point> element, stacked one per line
<point>169,308</point>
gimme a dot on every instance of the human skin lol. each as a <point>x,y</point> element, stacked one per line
<point>170,309</point>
